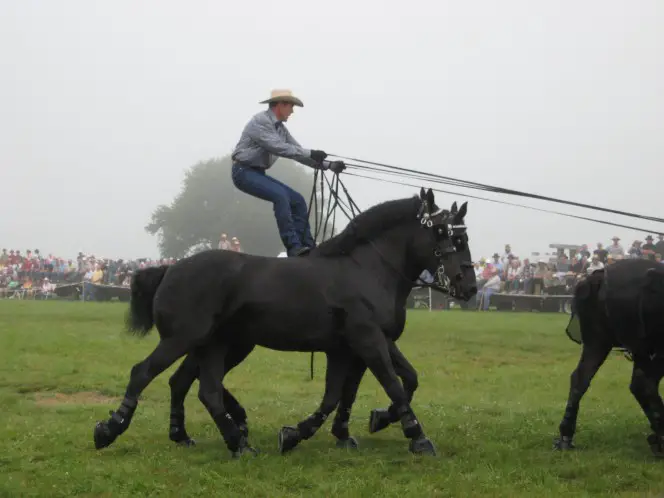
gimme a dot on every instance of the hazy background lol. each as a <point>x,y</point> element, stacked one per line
<point>104,104</point>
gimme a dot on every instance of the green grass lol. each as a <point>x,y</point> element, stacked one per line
<point>492,390</point>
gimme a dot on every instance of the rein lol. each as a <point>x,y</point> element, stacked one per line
<point>335,201</point>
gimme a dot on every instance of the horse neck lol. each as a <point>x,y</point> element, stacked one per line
<point>387,258</point>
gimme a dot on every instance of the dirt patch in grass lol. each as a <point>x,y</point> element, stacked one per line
<point>80,398</point>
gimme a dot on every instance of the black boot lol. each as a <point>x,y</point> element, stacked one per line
<point>300,251</point>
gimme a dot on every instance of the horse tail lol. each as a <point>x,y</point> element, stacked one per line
<point>583,292</point>
<point>144,285</point>
<point>586,289</point>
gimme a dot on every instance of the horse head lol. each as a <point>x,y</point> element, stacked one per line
<point>442,246</point>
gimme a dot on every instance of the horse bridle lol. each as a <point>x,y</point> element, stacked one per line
<point>444,232</point>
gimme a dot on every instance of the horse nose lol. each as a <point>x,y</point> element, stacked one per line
<point>473,290</point>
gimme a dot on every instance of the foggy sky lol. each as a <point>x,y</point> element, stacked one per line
<point>106,99</point>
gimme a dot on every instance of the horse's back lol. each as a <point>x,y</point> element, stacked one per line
<point>198,286</point>
<point>633,310</point>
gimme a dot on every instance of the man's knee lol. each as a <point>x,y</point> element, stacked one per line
<point>297,200</point>
<point>281,202</point>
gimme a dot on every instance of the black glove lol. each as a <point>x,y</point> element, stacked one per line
<point>337,166</point>
<point>318,155</point>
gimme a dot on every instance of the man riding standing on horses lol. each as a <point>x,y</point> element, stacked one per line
<point>263,140</point>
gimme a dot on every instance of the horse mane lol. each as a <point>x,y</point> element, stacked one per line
<point>370,224</point>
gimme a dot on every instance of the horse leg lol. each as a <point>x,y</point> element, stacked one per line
<point>646,376</point>
<point>211,360</point>
<point>369,342</point>
<point>348,395</point>
<point>381,418</point>
<point>336,373</point>
<point>181,382</point>
<point>236,355</point>
<point>164,355</point>
<point>592,358</point>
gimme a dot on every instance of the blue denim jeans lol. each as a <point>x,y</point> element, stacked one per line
<point>290,208</point>
<point>487,298</point>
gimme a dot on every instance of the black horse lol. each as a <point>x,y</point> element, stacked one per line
<point>621,307</point>
<point>345,299</point>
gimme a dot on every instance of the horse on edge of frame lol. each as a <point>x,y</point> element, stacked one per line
<point>621,306</point>
<point>346,299</point>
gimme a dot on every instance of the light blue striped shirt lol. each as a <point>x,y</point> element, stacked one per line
<point>264,139</point>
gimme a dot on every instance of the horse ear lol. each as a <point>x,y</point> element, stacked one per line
<point>422,194</point>
<point>461,214</point>
<point>430,199</point>
<point>454,208</point>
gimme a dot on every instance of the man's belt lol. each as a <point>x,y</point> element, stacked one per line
<point>248,165</point>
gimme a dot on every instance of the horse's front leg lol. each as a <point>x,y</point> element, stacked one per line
<point>368,341</point>
<point>336,374</point>
<point>380,418</point>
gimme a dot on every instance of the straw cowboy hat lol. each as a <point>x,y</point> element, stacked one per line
<point>283,96</point>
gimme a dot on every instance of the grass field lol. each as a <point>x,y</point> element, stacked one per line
<point>492,390</point>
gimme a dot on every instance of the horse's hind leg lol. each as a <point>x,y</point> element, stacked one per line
<point>381,418</point>
<point>348,395</point>
<point>212,359</point>
<point>181,382</point>
<point>163,356</point>
<point>592,358</point>
<point>336,373</point>
<point>646,375</point>
<point>236,355</point>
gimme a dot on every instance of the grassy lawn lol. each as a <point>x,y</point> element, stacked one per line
<point>492,391</point>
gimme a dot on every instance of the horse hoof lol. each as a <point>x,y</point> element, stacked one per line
<point>563,443</point>
<point>289,437</point>
<point>656,444</point>
<point>349,444</point>
<point>186,443</point>
<point>244,449</point>
<point>422,446</point>
<point>102,435</point>
<point>378,420</point>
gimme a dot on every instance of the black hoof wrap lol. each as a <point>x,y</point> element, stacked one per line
<point>379,419</point>
<point>186,443</point>
<point>289,438</point>
<point>103,436</point>
<point>656,444</point>
<point>563,443</point>
<point>422,446</point>
<point>349,444</point>
<point>244,449</point>
<point>179,435</point>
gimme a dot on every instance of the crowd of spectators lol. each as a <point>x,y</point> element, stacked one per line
<point>32,269</point>
<point>34,273</point>
<point>229,245</point>
<point>508,273</point>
